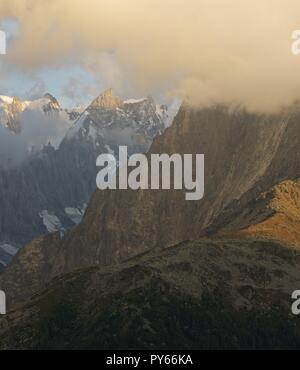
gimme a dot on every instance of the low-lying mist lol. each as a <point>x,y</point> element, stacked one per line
<point>37,130</point>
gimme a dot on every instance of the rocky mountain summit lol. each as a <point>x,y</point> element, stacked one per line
<point>50,104</point>
<point>107,100</point>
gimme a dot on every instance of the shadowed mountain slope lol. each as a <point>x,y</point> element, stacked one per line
<point>213,293</point>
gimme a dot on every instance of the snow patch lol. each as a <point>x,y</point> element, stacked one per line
<point>51,222</point>
<point>75,214</point>
<point>135,101</point>
<point>9,249</point>
<point>6,99</point>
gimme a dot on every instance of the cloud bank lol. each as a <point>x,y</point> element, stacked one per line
<point>13,148</point>
<point>38,130</point>
<point>211,51</point>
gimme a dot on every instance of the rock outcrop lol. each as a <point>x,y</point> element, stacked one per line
<point>107,100</point>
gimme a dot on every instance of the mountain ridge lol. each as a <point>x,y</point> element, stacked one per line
<point>218,283</point>
<point>275,214</point>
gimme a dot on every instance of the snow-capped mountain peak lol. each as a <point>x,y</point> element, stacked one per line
<point>109,122</point>
<point>51,104</point>
<point>11,109</point>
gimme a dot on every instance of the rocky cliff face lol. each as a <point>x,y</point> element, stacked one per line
<point>10,109</point>
<point>245,157</point>
<point>107,100</point>
<point>156,271</point>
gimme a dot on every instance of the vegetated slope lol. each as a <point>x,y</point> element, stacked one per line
<point>213,293</point>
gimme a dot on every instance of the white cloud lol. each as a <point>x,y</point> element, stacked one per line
<point>210,50</point>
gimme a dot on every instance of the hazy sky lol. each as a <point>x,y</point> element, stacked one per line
<point>213,51</point>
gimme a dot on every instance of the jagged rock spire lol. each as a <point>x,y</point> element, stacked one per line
<point>107,100</point>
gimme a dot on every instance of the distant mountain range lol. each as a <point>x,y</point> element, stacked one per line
<point>49,190</point>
